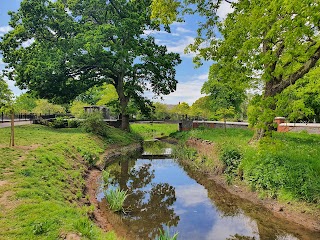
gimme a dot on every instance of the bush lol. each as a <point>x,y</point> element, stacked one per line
<point>231,158</point>
<point>72,123</point>
<point>95,124</point>
<point>59,122</point>
<point>91,158</point>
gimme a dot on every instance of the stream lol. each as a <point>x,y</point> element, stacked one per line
<point>166,196</point>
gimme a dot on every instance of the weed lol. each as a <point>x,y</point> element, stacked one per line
<point>115,198</point>
<point>91,158</point>
<point>85,227</point>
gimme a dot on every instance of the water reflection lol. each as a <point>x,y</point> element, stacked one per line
<point>163,194</point>
<point>149,204</point>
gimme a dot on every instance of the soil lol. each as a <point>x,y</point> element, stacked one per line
<point>298,213</point>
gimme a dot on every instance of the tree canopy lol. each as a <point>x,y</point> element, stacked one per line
<point>5,94</point>
<point>61,49</point>
<point>268,43</point>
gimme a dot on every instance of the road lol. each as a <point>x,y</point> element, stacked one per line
<point>8,124</point>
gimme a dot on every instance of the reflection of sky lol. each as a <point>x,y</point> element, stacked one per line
<point>199,218</point>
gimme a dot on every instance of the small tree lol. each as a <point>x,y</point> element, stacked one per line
<point>6,105</point>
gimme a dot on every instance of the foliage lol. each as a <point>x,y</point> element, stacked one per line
<point>73,123</point>
<point>301,101</point>
<point>153,130</point>
<point>94,124</point>
<point>48,184</point>
<point>231,157</point>
<point>165,235</point>
<point>202,108</point>
<point>64,60</point>
<point>59,122</point>
<point>115,198</point>
<point>43,106</point>
<point>180,110</point>
<point>77,109</point>
<point>5,94</point>
<point>25,103</point>
<point>269,44</point>
<point>160,111</point>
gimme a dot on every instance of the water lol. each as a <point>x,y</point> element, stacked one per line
<point>163,195</point>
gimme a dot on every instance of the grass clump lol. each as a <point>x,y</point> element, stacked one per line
<point>115,198</point>
<point>106,176</point>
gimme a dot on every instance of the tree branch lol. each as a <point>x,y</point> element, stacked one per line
<point>305,68</point>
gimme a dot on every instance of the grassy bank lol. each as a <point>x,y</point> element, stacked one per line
<point>42,181</point>
<point>153,130</point>
<point>286,167</point>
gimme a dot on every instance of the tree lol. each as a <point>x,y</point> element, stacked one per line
<point>6,105</point>
<point>160,111</point>
<point>180,110</point>
<point>77,44</point>
<point>202,108</point>
<point>225,93</point>
<point>301,101</point>
<point>275,41</point>
<point>25,103</point>
<point>43,106</point>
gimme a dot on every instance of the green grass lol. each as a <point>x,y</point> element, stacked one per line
<point>286,167</point>
<point>150,131</point>
<point>115,198</point>
<point>165,235</point>
<point>44,182</point>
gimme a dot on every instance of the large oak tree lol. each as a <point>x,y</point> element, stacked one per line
<point>60,49</point>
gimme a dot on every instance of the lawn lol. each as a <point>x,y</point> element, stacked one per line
<point>42,180</point>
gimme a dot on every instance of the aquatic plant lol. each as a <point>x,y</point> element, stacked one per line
<point>115,198</point>
<point>165,235</point>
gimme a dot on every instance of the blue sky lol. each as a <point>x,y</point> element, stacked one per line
<point>190,79</point>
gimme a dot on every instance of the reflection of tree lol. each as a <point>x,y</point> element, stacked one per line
<point>148,209</point>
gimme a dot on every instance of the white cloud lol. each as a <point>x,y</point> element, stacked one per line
<point>224,9</point>
<point>191,196</point>
<point>183,30</point>
<point>27,43</point>
<point>188,91</point>
<point>4,30</point>
<point>178,46</point>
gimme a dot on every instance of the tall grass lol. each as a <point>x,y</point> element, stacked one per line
<point>115,198</point>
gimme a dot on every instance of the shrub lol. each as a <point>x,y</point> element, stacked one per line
<point>91,158</point>
<point>59,122</point>
<point>72,123</point>
<point>95,124</point>
<point>116,198</point>
<point>231,158</point>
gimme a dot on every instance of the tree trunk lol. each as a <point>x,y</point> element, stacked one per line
<point>124,100</point>
<point>12,130</point>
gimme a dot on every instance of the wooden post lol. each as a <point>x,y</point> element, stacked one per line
<point>12,129</point>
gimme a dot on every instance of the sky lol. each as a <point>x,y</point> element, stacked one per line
<point>190,79</point>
